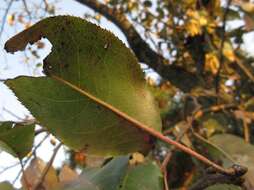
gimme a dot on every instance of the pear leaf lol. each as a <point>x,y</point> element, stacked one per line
<point>86,59</point>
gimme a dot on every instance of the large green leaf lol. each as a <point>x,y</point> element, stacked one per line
<point>17,140</point>
<point>86,58</point>
<point>146,176</point>
<point>240,151</point>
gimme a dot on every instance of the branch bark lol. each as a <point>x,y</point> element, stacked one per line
<point>178,76</point>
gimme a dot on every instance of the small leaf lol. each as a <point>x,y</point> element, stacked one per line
<point>17,140</point>
<point>212,63</point>
<point>87,59</point>
<point>6,186</point>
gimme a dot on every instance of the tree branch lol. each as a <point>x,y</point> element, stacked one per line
<point>178,76</point>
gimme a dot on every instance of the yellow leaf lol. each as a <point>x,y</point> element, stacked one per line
<point>212,63</point>
<point>193,27</point>
<point>211,27</point>
<point>203,21</point>
<point>98,17</point>
<point>228,52</point>
<point>247,6</point>
<point>137,158</point>
<point>10,19</point>
<point>191,13</point>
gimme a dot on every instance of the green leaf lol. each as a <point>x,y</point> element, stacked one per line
<point>115,176</point>
<point>223,187</point>
<point>17,140</point>
<point>146,176</point>
<point>107,178</point>
<point>86,59</point>
<point>240,151</point>
<point>6,186</point>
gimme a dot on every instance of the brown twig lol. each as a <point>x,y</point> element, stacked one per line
<point>46,169</point>
<point>216,108</point>
<point>169,154</point>
<point>24,175</point>
<point>165,180</point>
<point>245,69</point>
<point>246,131</point>
<point>146,128</point>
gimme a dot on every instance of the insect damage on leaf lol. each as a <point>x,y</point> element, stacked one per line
<point>86,59</point>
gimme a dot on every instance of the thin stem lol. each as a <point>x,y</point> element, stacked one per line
<point>146,128</point>
<point>27,10</point>
<point>29,157</point>
<point>46,169</point>
<point>28,186</point>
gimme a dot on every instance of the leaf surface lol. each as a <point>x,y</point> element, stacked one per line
<point>116,175</point>
<point>94,61</point>
<point>240,151</point>
<point>6,186</point>
<point>143,177</point>
<point>17,140</point>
